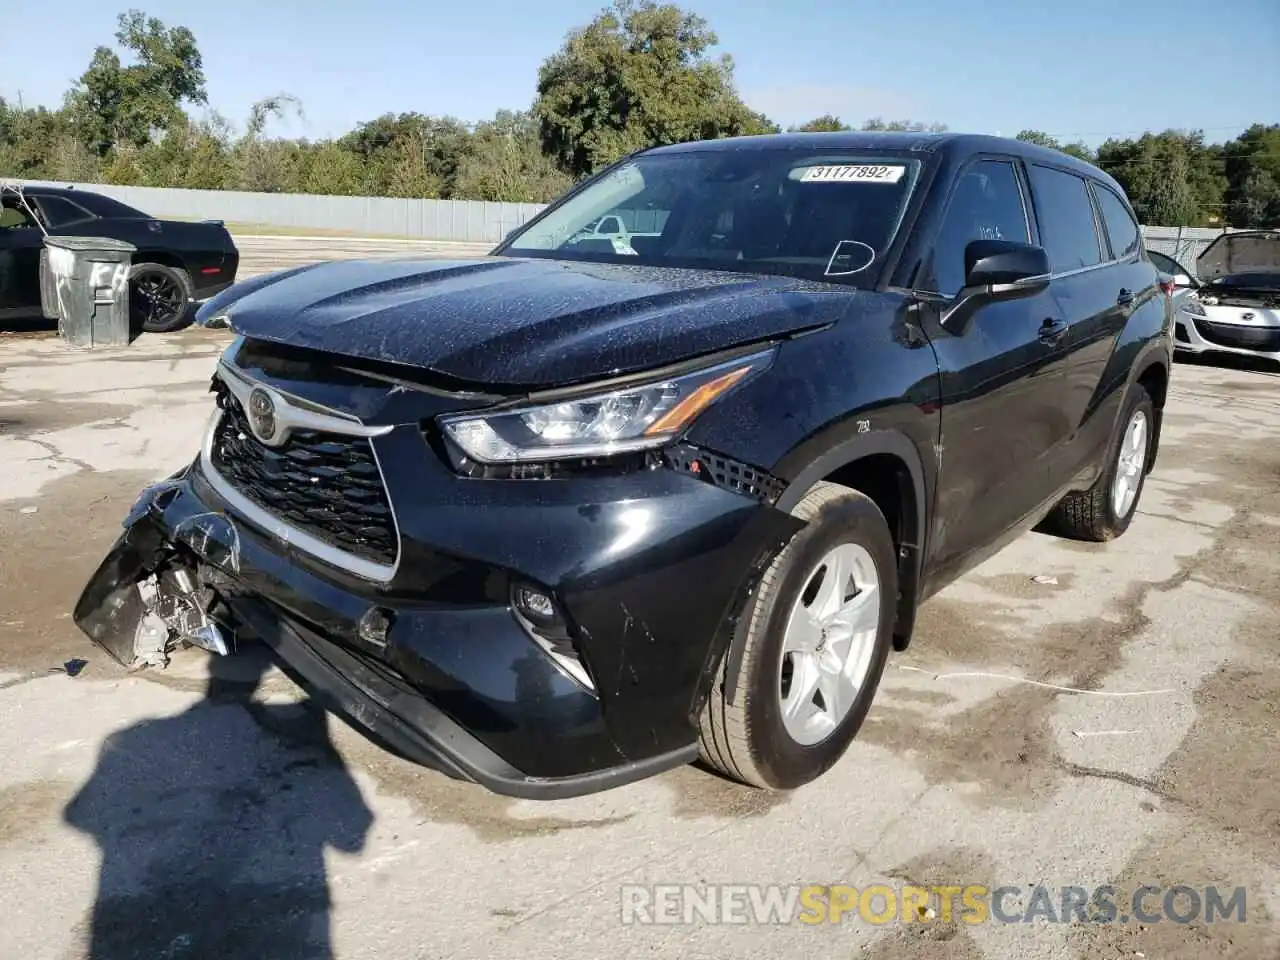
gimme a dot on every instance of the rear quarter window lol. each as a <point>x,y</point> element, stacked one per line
<point>1067,230</point>
<point>1122,229</point>
<point>59,211</point>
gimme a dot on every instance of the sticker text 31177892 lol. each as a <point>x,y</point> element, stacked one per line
<point>853,173</point>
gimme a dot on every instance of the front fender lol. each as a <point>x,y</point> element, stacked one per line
<point>838,454</point>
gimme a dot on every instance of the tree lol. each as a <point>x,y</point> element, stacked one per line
<point>823,124</point>
<point>1041,139</point>
<point>638,75</point>
<point>410,155</point>
<point>506,162</point>
<point>1169,176</point>
<point>265,165</point>
<point>117,104</point>
<point>39,143</point>
<point>878,124</point>
<point>331,169</point>
<point>1252,172</point>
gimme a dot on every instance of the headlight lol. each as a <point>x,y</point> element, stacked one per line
<point>1193,307</point>
<point>600,424</point>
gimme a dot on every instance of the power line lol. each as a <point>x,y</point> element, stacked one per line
<point>1222,158</point>
<point>1126,133</point>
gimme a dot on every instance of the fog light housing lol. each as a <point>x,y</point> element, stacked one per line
<point>537,613</point>
<point>374,626</point>
<point>535,605</point>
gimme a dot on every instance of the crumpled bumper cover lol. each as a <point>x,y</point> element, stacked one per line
<point>460,685</point>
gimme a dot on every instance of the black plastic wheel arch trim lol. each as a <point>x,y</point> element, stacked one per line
<point>910,555</point>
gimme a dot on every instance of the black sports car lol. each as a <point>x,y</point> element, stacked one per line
<point>176,262</point>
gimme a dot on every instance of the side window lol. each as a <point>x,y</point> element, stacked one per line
<point>58,211</point>
<point>1066,219</point>
<point>1121,228</point>
<point>986,205</point>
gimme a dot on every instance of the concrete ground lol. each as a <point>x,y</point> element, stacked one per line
<point>148,815</point>
<point>260,254</point>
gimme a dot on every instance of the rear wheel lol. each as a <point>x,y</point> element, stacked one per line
<point>818,635</point>
<point>1105,510</point>
<point>159,298</point>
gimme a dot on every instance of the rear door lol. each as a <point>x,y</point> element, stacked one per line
<point>1095,295</point>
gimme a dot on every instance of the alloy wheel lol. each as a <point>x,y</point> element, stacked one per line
<point>155,299</point>
<point>828,643</point>
<point>1129,465</point>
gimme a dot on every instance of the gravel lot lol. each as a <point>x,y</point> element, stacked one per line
<point>142,816</point>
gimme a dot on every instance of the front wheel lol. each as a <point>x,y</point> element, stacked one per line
<point>159,298</point>
<point>818,635</point>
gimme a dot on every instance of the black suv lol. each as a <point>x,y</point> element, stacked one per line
<point>571,514</point>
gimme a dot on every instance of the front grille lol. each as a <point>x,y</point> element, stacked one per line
<point>1264,339</point>
<point>326,485</point>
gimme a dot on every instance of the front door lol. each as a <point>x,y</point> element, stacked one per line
<point>1002,378</point>
<point>21,241</point>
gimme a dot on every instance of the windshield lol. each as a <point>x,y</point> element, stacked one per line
<point>820,216</point>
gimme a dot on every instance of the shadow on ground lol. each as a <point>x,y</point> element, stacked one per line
<point>213,824</point>
<point>1229,361</point>
<point>38,326</point>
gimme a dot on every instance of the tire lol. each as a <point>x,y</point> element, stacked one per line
<point>159,298</point>
<point>750,741</point>
<point>1092,515</point>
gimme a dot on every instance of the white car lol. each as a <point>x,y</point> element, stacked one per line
<point>1234,305</point>
<point>611,229</point>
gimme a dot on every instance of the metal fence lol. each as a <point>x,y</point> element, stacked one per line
<point>1184,244</point>
<point>467,220</point>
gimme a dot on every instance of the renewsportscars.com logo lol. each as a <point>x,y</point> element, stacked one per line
<point>971,903</point>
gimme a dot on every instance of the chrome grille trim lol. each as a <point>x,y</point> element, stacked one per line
<point>301,415</point>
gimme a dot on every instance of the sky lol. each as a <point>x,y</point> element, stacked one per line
<point>1084,70</point>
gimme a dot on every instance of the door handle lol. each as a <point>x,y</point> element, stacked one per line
<point>1051,331</point>
<point>1124,298</point>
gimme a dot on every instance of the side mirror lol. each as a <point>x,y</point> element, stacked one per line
<point>1004,263</point>
<point>1183,282</point>
<point>997,270</point>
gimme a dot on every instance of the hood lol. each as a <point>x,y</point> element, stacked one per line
<point>1242,252</point>
<point>507,322</point>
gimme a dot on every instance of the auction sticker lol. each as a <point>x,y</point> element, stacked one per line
<point>853,172</point>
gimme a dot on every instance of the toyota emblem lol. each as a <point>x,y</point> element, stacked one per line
<point>262,415</point>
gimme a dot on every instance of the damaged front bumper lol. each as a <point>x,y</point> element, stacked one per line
<point>471,688</point>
